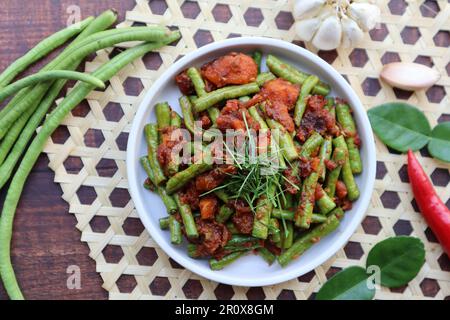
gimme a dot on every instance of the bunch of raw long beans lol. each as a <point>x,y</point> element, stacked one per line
<point>34,96</point>
<point>228,209</point>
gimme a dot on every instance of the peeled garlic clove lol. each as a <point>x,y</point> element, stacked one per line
<point>365,14</point>
<point>328,36</point>
<point>307,8</point>
<point>351,32</point>
<point>305,29</point>
<point>409,76</point>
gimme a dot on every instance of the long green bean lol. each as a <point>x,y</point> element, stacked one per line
<point>42,49</point>
<point>324,154</point>
<point>22,137</point>
<point>222,263</point>
<point>162,111</point>
<point>49,76</point>
<point>225,212</point>
<point>104,73</point>
<point>257,56</point>
<point>268,256</point>
<point>308,239</point>
<point>312,144</point>
<point>188,218</point>
<point>164,223</point>
<point>346,172</point>
<point>264,77</point>
<point>300,107</point>
<point>345,119</point>
<point>290,215</point>
<point>332,178</point>
<point>65,60</point>
<point>168,200</point>
<point>231,92</point>
<point>188,116</point>
<point>325,203</point>
<point>304,212</point>
<point>151,136</point>
<point>175,230</point>
<point>264,208</point>
<point>288,72</point>
<point>197,81</point>
<point>286,142</point>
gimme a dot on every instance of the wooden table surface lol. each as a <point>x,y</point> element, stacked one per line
<point>45,240</point>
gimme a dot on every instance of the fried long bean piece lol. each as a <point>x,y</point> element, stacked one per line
<point>197,81</point>
<point>104,73</point>
<point>345,119</point>
<point>339,156</point>
<point>175,230</point>
<point>303,217</point>
<point>311,145</point>
<point>290,215</point>
<point>225,212</point>
<point>264,208</point>
<point>42,49</point>
<point>18,139</point>
<point>257,56</point>
<point>168,200</point>
<point>268,256</point>
<point>347,174</point>
<point>231,92</point>
<point>286,142</point>
<point>188,115</point>
<point>181,178</point>
<point>305,90</point>
<point>222,263</point>
<point>162,111</point>
<point>151,136</point>
<point>325,202</point>
<point>324,154</point>
<point>93,43</point>
<point>308,239</point>
<point>164,223</point>
<point>188,218</point>
<point>288,72</point>
<point>264,77</point>
<point>48,76</point>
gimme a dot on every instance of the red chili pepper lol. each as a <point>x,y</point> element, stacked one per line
<point>435,212</point>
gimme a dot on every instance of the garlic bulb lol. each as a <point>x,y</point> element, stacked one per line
<point>307,8</point>
<point>329,23</point>
<point>329,34</point>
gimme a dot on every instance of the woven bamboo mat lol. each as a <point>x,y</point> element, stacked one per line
<point>130,263</point>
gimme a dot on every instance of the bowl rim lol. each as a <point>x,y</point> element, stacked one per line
<point>345,234</point>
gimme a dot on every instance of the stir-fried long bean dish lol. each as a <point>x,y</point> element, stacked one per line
<point>260,162</point>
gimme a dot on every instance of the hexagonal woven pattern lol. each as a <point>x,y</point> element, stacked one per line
<point>89,161</point>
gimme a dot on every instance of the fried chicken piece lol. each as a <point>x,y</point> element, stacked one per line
<point>233,68</point>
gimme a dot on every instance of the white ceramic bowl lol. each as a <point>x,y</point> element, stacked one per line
<point>250,270</point>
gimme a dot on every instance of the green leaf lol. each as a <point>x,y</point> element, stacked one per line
<point>399,260</point>
<point>348,284</point>
<point>439,146</point>
<point>400,126</point>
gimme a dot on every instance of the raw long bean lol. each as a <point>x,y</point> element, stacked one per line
<point>103,21</point>
<point>48,76</point>
<point>75,54</point>
<point>104,73</point>
<point>42,49</point>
